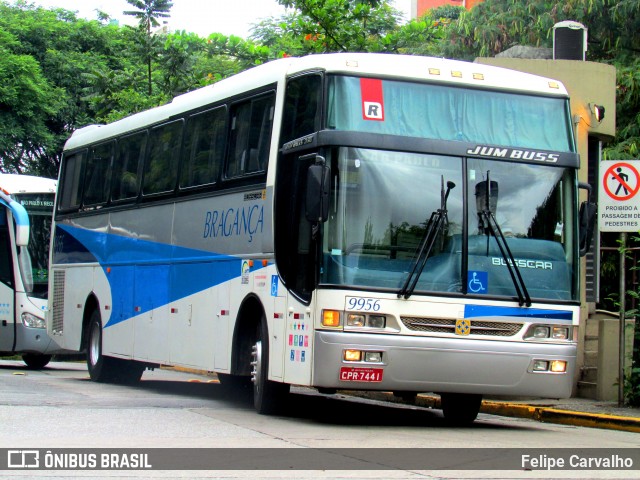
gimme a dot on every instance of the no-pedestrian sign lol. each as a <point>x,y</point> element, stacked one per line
<point>619,196</point>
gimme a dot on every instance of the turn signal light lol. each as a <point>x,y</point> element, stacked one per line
<point>330,318</point>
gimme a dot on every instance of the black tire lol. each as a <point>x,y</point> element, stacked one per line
<point>460,409</point>
<point>268,397</point>
<point>35,361</point>
<point>234,382</point>
<point>105,369</point>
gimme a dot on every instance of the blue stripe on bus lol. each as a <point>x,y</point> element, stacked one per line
<point>145,275</point>
<point>471,311</point>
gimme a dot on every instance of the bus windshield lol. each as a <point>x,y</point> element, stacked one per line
<point>34,259</point>
<point>449,113</point>
<point>382,201</point>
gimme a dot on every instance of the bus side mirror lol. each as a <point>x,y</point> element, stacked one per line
<point>20,218</point>
<point>22,235</point>
<point>318,186</point>
<point>587,220</point>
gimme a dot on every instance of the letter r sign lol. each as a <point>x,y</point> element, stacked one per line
<point>372,99</point>
<point>373,111</point>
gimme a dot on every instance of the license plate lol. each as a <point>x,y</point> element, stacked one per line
<point>355,374</point>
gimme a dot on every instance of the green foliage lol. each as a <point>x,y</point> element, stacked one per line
<point>27,99</point>
<point>343,25</point>
<point>80,72</point>
<point>631,387</point>
<point>148,12</point>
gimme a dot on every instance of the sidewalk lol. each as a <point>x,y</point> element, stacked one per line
<point>581,412</point>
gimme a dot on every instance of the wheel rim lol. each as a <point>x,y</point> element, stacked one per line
<point>94,345</point>
<point>256,363</point>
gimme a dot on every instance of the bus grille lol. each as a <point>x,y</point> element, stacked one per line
<point>57,322</point>
<point>448,325</point>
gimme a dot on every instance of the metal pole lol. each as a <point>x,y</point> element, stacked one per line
<point>623,245</point>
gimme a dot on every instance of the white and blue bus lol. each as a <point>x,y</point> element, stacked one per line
<point>25,230</point>
<point>340,221</point>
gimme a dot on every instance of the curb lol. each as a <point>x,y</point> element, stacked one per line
<point>541,413</point>
<point>560,416</point>
<point>544,414</point>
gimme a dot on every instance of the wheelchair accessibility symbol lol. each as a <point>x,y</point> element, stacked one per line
<point>477,282</point>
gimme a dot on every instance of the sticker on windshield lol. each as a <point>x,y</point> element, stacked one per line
<point>372,99</point>
<point>477,282</point>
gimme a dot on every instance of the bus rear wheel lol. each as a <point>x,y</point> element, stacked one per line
<point>105,369</point>
<point>268,396</point>
<point>460,409</point>
<point>35,361</point>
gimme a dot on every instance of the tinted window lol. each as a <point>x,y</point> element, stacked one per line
<point>129,153</point>
<point>204,148</point>
<point>161,167</point>
<point>71,187</point>
<point>96,186</point>
<point>250,137</point>
<point>301,107</point>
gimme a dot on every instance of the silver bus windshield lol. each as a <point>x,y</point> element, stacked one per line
<point>382,201</point>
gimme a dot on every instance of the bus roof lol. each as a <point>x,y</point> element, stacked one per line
<point>14,183</point>
<point>401,67</point>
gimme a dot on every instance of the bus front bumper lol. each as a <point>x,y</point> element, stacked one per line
<point>433,364</point>
<point>35,340</point>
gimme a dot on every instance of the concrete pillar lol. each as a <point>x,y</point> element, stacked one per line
<point>608,356</point>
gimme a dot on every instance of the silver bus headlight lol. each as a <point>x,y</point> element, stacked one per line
<point>32,321</point>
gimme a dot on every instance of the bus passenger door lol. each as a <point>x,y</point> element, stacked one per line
<point>7,285</point>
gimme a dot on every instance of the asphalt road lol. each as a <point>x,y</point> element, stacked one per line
<point>60,408</point>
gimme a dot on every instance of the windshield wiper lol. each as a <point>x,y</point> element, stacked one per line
<point>434,226</point>
<point>492,225</point>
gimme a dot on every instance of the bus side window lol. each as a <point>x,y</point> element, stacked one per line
<point>161,166</point>
<point>97,178</point>
<point>71,190</point>
<point>204,148</point>
<point>126,180</point>
<point>301,103</point>
<point>250,139</point>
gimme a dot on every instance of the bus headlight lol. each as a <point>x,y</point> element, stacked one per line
<point>540,331</point>
<point>549,332</point>
<point>560,333</point>
<point>32,321</point>
<point>369,321</point>
<point>377,321</point>
<point>355,320</point>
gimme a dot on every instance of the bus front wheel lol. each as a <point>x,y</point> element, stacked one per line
<point>105,369</point>
<point>268,396</point>
<point>35,361</point>
<point>460,409</point>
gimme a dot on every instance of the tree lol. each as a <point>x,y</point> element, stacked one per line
<point>26,101</point>
<point>495,25</point>
<point>343,25</point>
<point>147,13</point>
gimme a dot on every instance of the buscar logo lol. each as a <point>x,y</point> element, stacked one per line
<point>463,326</point>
